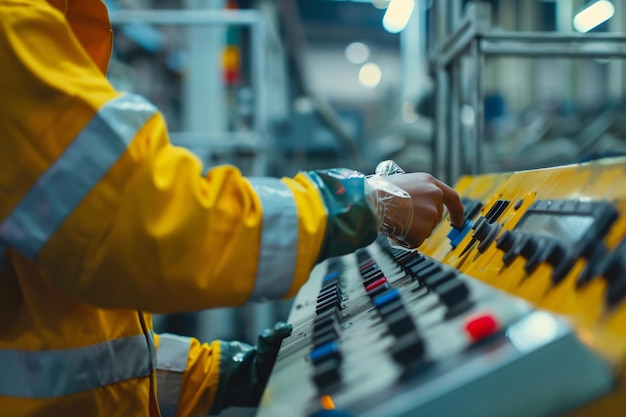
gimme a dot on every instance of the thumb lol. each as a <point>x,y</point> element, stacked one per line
<point>269,341</point>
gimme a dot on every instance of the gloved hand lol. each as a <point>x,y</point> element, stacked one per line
<point>409,206</point>
<point>406,207</point>
<point>245,369</point>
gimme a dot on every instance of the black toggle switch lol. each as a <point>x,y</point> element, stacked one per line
<point>363,256</point>
<point>452,292</point>
<point>492,234</point>
<point>326,295</point>
<point>506,241</point>
<point>326,374</point>
<point>417,268</point>
<point>323,337</point>
<point>379,290</point>
<point>555,252</point>
<point>406,256</point>
<point>400,323</point>
<point>330,284</point>
<point>329,313</point>
<point>374,276</point>
<point>480,229</point>
<point>408,349</point>
<point>414,263</point>
<point>510,255</point>
<point>546,247</point>
<point>529,248</point>
<point>388,309</point>
<point>424,273</point>
<point>328,321</point>
<point>328,304</point>
<point>439,278</point>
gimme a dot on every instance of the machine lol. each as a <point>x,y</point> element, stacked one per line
<point>520,312</point>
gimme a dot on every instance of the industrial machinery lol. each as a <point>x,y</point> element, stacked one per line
<point>520,312</point>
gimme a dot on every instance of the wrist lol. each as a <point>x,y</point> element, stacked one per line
<point>351,223</point>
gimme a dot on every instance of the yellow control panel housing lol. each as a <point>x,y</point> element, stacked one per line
<point>555,237</point>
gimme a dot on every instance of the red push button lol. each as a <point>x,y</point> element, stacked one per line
<point>479,327</point>
<point>376,284</point>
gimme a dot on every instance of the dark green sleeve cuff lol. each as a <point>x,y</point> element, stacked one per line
<point>351,222</point>
<point>237,383</point>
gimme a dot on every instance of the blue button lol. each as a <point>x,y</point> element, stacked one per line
<point>386,298</point>
<point>330,276</point>
<point>324,351</point>
<point>457,234</point>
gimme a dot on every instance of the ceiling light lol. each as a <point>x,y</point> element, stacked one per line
<point>592,16</point>
<point>357,52</point>
<point>380,4</point>
<point>397,15</point>
<point>370,75</point>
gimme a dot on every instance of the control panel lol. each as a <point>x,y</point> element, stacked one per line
<point>519,312</point>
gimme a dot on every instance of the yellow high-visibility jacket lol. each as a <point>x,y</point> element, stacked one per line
<point>102,220</point>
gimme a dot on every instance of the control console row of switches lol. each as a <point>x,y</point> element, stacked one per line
<point>409,346</point>
<point>436,277</point>
<point>325,353</point>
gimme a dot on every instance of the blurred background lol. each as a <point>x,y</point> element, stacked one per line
<point>448,87</point>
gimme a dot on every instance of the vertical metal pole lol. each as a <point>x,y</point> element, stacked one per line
<point>412,58</point>
<point>478,61</point>
<point>455,16</point>
<point>259,75</point>
<point>260,78</point>
<point>204,90</point>
<point>441,119</point>
<point>453,155</point>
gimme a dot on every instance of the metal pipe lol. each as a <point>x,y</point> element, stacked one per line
<point>186,17</point>
<point>441,119</point>
<point>479,107</point>
<point>531,49</point>
<point>453,155</point>
<point>542,37</point>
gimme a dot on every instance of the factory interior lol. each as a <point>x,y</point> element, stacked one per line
<point>467,91</point>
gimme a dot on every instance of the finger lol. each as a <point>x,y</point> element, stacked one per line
<point>439,211</point>
<point>452,200</point>
<point>271,339</point>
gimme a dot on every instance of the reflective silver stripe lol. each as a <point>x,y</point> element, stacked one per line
<point>279,239</point>
<point>54,373</point>
<point>70,178</point>
<point>172,358</point>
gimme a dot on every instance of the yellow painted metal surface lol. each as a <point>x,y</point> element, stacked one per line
<point>600,327</point>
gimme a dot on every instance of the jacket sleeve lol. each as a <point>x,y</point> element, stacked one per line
<point>94,193</point>
<point>187,375</point>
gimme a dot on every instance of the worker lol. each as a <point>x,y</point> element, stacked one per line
<point>103,221</point>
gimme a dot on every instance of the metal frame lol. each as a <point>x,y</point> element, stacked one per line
<point>472,38</point>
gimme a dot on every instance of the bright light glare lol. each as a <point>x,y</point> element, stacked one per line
<point>397,15</point>
<point>380,4</point>
<point>592,16</point>
<point>357,52</point>
<point>370,75</point>
<point>533,331</point>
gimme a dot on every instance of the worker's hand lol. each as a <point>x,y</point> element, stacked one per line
<point>409,206</point>
<point>245,369</point>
